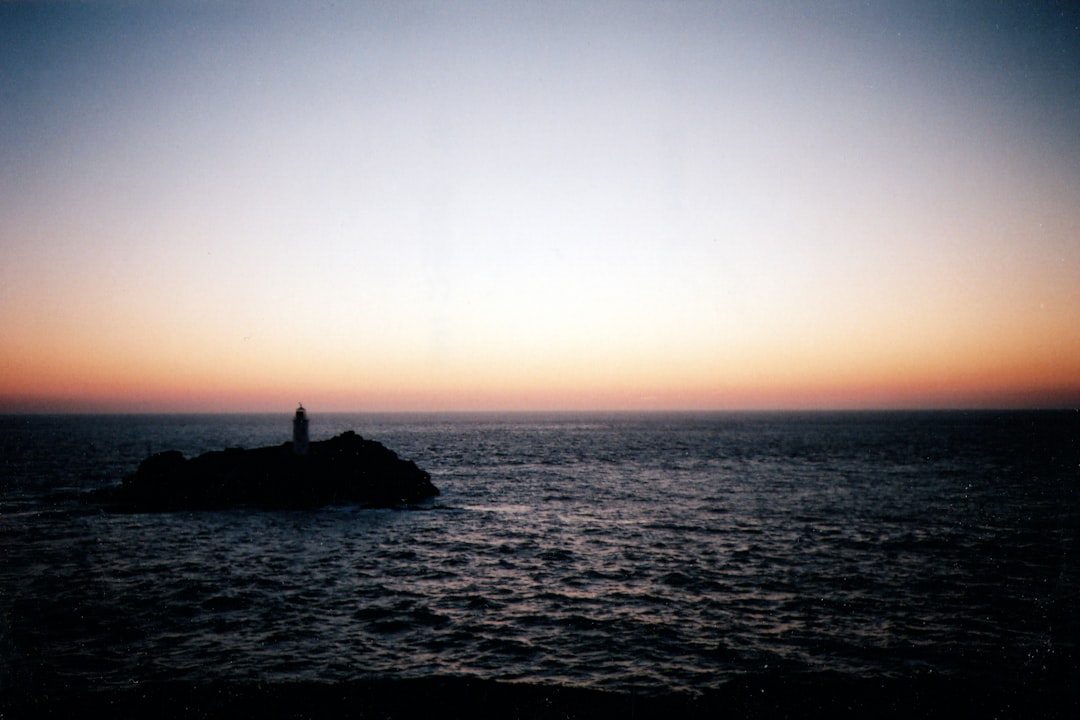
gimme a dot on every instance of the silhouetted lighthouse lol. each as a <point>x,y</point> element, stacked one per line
<point>299,432</point>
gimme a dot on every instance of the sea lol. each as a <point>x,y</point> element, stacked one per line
<point>635,553</point>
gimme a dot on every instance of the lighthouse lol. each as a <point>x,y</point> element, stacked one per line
<point>299,432</point>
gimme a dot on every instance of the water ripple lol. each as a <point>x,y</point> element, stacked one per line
<point>622,553</point>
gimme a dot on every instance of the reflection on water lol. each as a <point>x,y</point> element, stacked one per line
<point>622,552</point>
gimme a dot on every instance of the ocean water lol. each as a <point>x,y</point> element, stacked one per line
<point>648,553</point>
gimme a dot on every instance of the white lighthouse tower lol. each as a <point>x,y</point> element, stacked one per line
<point>299,432</point>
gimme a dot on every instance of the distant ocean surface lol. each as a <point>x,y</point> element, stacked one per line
<point>649,553</point>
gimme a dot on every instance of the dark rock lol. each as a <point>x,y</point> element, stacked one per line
<point>346,469</point>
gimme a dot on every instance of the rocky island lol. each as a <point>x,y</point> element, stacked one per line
<point>346,469</point>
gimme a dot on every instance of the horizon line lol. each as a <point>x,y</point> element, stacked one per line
<point>556,411</point>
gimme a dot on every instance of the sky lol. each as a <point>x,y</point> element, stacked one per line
<point>217,206</point>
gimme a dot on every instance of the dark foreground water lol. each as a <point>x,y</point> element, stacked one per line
<point>645,554</point>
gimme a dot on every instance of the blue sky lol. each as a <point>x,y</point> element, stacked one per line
<point>521,205</point>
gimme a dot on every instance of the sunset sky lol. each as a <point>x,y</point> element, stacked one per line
<point>213,206</point>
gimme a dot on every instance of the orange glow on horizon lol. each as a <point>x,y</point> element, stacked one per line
<point>69,387</point>
<point>1021,360</point>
